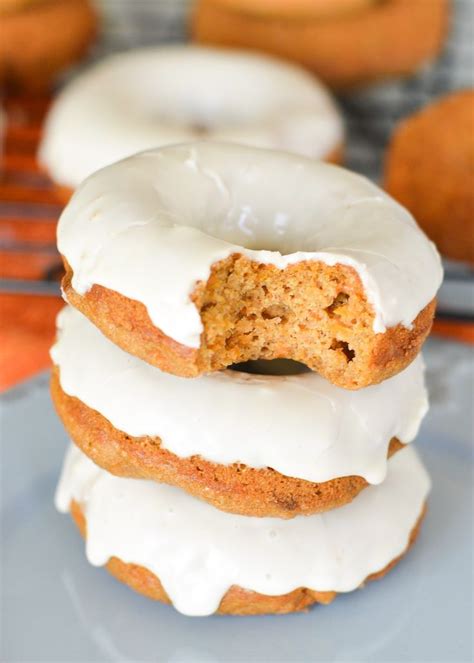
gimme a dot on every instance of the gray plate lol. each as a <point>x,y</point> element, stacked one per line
<point>55,607</point>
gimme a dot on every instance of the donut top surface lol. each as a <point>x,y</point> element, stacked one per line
<point>156,96</point>
<point>151,226</point>
<point>199,552</point>
<point>300,425</point>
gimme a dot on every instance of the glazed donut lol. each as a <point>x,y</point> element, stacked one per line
<point>322,443</point>
<point>198,256</point>
<point>42,38</point>
<point>430,170</point>
<point>354,42</point>
<point>174,548</point>
<point>157,96</point>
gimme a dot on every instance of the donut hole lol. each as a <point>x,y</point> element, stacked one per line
<point>200,129</point>
<point>271,367</point>
<point>267,203</point>
<point>343,348</point>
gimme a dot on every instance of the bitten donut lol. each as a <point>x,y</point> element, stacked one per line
<point>42,38</point>
<point>174,548</point>
<point>345,42</point>
<point>259,445</point>
<point>430,170</point>
<point>157,96</point>
<point>198,256</point>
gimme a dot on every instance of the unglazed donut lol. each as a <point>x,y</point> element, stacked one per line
<point>344,42</point>
<point>430,170</point>
<point>250,444</point>
<point>42,38</point>
<point>7,6</point>
<point>199,256</point>
<point>172,547</point>
<point>157,96</point>
<point>296,8</point>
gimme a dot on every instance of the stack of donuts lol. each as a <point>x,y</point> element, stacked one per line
<point>238,368</point>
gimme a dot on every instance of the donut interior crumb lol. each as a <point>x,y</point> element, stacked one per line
<point>310,312</point>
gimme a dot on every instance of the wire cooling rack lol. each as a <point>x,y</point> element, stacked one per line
<point>29,207</point>
<point>371,115</point>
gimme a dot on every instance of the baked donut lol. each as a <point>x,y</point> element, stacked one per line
<point>430,170</point>
<point>296,8</point>
<point>345,42</point>
<point>7,6</point>
<point>198,256</point>
<point>173,94</point>
<point>42,38</point>
<point>258,445</point>
<point>174,548</point>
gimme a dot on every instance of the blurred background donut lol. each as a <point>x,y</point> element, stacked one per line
<point>345,42</point>
<point>430,170</point>
<point>149,97</point>
<point>42,38</point>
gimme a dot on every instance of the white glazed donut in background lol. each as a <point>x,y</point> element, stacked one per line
<point>151,226</point>
<point>173,94</point>
<point>301,425</point>
<point>199,552</point>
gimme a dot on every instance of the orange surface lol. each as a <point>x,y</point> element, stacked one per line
<point>29,210</point>
<point>27,326</point>
<point>29,206</point>
<point>454,330</point>
<point>40,232</point>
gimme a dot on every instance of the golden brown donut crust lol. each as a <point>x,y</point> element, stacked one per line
<point>430,170</point>
<point>237,601</point>
<point>310,312</point>
<point>42,40</point>
<point>389,38</point>
<point>235,488</point>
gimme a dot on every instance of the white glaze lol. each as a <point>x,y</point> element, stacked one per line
<point>199,552</point>
<point>153,225</point>
<point>300,425</point>
<point>156,96</point>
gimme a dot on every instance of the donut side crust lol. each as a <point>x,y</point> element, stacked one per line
<point>430,170</point>
<point>236,488</point>
<point>236,601</point>
<point>390,38</point>
<point>309,312</point>
<point>42,40</point>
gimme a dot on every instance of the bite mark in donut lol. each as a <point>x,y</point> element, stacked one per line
<point>238,307</point>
